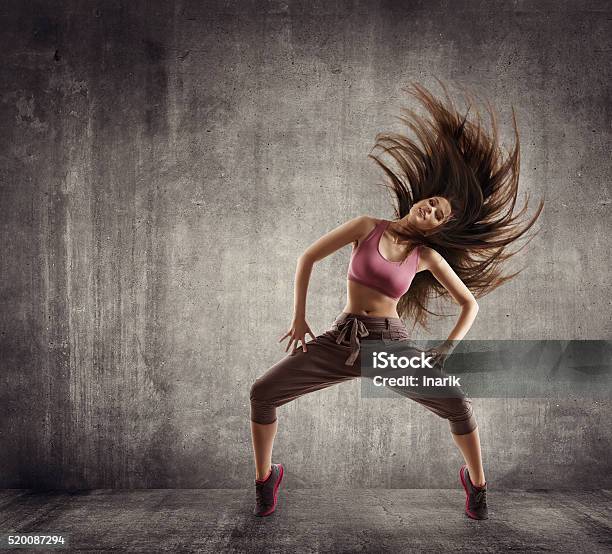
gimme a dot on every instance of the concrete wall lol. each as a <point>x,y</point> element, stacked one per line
<point>165,163</point>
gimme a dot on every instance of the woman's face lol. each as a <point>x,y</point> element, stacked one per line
<point>429,213</point>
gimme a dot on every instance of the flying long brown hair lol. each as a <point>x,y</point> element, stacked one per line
<point>456,158</point>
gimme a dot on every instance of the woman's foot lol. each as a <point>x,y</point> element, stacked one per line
<point>476,497</point>
<point>266,491</point>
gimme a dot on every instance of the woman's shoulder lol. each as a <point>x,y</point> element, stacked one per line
<point>429,256</point>
<point>366,224</point>
<point>369,221</point>
<point>429,253</point>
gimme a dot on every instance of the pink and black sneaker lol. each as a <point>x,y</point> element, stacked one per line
<point>266,491</point>
<point>475,497</point>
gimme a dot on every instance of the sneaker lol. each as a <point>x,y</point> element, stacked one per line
<point>475,498</point>
<point>266,492</point>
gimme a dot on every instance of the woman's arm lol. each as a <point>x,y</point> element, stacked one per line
<point>351,231</point>
<point>348,232</point>
<point>444,273</point>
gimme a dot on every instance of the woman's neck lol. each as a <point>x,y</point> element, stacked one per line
<point>395,229</point>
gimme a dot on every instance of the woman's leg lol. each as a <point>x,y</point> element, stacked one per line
<point>460,415</point>
<point>464,430</point>
<point>263,440</point>
<point>457,409</point>
<point>295,375</point>
<point>453,405</point>
<point>469,445</point>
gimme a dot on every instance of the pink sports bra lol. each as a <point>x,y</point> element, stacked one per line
<point>368,266</point>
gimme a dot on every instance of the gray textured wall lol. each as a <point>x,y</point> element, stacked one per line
<point>163,166</point>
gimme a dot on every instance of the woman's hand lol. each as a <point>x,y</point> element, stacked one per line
<point>298,331</point>
<point>442,351</point>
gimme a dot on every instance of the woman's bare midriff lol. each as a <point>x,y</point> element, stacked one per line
<point>363,300</point>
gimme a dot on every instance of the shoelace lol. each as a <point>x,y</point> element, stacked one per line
<point>259,495</point>
<point>481,497</point>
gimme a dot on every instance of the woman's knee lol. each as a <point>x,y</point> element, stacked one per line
<point>269,385</point>
<point>460,416</point>
<point>263,409</point>
<point>258,391</point>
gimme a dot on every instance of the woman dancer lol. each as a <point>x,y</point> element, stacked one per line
<point>455,195</point>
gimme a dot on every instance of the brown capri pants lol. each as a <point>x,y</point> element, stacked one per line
<point>334,357</point>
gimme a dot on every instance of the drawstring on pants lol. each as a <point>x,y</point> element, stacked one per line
<point>357,329</point>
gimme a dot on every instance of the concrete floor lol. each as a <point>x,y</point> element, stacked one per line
<point>310,520</point>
